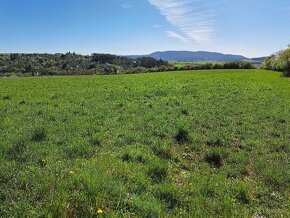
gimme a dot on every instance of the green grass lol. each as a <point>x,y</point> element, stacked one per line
<point>186,144</point>
<point>184,63</point>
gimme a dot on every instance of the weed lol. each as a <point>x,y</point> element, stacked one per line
<point>184,112</point>
<point>137,156</point>
<point>6,97</point>
<point>242,194</point>
<point>95,141</point>
<point>157,170</point>
<point>162,150</point>
<point>18,150</point>
<point>79,151</point>
<point>216,157</point>
<point>182,136</point>
<point>38,134</point>
<point>216,143</point>
<point>169,193</point>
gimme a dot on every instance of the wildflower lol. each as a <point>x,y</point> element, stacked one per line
<point>100,211</point>
<point>71,172</point>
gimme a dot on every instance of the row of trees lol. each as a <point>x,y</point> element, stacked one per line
<point>74,64</point>
<point>279,62</point>
<point>71,63</point>
<point>205,66</point>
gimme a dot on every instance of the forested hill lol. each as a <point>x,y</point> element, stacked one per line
<point>71,63</point>
<point>190,56</point>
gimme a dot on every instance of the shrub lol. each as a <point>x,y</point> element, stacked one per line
<point>279,62</point>
<point>283,62</point>
<point>269,63</point>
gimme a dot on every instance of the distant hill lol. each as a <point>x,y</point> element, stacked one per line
<point>260,59</point>
<point>188,56</point>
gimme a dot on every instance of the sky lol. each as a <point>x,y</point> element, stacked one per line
<point>248,27</point>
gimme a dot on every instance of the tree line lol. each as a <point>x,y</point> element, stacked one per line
<point>75,64</point>
<point>71,63</point>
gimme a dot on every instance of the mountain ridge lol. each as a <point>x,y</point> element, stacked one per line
<point>191,56</point>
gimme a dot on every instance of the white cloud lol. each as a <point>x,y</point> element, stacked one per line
<point>176,36</point>
<point>194,18</point>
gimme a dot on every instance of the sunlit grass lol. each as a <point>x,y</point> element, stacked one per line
<point>184,144</point>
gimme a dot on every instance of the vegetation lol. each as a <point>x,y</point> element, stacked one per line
<point>71,64</point>
<point>181,144</point>
<point>279,62</point>
<point>74,64</point>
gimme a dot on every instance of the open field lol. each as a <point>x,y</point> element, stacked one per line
<point>187,144</point>
<point>182,63</point>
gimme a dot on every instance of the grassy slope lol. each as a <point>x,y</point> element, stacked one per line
<point>204,143</point>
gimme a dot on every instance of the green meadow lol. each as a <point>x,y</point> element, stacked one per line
<point>175,144</point>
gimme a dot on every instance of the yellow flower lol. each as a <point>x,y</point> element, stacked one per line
<point>71,172</point>
<point>100,211</point>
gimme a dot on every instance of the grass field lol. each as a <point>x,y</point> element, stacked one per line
<point>183,63</point>
<point>181,144</point>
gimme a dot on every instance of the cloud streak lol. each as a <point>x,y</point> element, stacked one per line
<point>194,18</point>
<point>176,36</point>
<point>127,6</point>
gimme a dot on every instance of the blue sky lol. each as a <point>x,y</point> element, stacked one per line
<point>248,27</point>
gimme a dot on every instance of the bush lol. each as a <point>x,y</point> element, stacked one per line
<point>279,62</point>
<point>269,63</point>
<point>283,62</point>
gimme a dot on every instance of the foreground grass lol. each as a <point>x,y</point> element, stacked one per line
<point>187,144</point>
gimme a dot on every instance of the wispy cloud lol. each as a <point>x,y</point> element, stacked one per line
<point>284,8</point>
<point>127,6</point>
<point>194,18</point>
<point>176,36</point>
<point>156,26</point>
